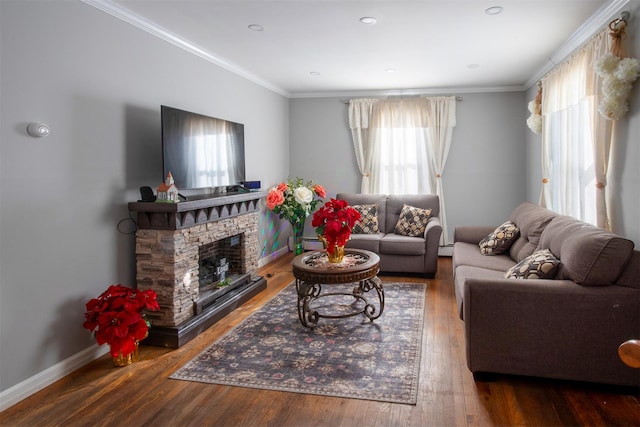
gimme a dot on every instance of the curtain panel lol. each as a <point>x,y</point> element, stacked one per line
<point>360,112</point>
<point>576,139</point>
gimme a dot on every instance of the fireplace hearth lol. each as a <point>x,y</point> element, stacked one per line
<point>201,258</point>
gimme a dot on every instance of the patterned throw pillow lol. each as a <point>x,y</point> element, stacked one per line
<point>500,239</point>
<point>541,264</point>
<point>412,221</point>
<point>368,222</point>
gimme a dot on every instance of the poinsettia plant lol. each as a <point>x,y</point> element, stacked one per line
<point>116,317</point>
<point>334,221</point>
<point>295,199</point>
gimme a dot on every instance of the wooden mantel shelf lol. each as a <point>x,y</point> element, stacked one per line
<point>176,216</point>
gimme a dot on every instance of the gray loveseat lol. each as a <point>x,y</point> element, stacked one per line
<point>566,327</point>
<point>399,253</point>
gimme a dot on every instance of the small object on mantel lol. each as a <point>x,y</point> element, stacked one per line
<point>167,191</point>
<point>629,352</point>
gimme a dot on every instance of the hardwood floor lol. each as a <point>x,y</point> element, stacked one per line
<point>142,395</point>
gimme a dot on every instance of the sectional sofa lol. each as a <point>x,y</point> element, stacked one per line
<point>561,319</point>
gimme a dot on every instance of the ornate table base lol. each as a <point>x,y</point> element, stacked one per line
<point>310,292</point>
<point>312,272</point>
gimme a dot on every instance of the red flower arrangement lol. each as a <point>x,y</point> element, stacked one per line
<point>116,318</point>
<point>334,221</point>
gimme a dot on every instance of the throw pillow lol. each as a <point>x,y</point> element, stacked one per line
<point>368,222</point>
<point>541,264</point>
<point>500,239</point>
<point>412,221</point>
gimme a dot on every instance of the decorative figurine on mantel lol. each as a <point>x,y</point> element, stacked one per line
<point>167,191</point>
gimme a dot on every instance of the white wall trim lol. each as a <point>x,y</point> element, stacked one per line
<point>272,257</point>
<point>579,37</point>
<point>34,384</point>
<point>124,14</point>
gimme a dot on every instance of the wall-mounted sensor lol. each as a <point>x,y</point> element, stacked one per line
<point>38,129</point>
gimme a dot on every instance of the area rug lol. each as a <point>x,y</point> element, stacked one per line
<point>350,357</point>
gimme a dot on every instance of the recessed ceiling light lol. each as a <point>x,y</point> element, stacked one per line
<point>473,66</point>
<point>390,70</point>
<point>494,10</point>
<point>315,73</point>
<point>368,20</point>
<point>256,27</point>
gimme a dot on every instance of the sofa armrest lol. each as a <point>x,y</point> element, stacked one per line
<point>432,234</point>
<point>549,328</point>
<point>471,233</point>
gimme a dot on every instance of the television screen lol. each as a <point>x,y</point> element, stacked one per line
<point>201,151</point>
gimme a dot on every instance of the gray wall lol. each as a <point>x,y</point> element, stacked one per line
<point>483,178</point>
<point>99,83</point>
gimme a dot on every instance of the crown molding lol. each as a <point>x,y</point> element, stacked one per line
<point>577,39</point>
<point>407,92</point>
<point>587,30</point>
<point>144,24</point>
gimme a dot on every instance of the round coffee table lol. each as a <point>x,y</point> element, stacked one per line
<point>313,270</point>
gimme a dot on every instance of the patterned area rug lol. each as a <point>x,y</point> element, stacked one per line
<point>351,357</point>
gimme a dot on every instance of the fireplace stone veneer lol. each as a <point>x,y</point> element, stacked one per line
<point>168,240</point>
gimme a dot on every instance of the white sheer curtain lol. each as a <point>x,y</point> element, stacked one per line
<point>576,139</point>
<point>359,116</point>
<point>402,145</point>
<point>398,137</point>
<point>442,120</point>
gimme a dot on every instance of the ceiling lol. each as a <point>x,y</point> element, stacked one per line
<point>320,47</point>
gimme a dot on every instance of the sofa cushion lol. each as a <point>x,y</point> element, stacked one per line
<point>465,272</point>
<point>368,242</point>
<point>368,222</point>
<point>531,220</point>
<point>630,276</point>
<point>368,199</point>
<point>589,255</point>
<point>412,221</point>
<point>469,254</point>
<point>500,239</point>
<point>402,245</point>
<point>395,203</point>
<point>541,264</point>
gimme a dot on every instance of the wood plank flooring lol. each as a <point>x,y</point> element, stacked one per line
<point>142,395</point>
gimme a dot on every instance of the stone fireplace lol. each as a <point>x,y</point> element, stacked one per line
<point>201,258</point>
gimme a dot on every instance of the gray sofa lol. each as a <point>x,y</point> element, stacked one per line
<point>399,253</point>
<point>566,327</point>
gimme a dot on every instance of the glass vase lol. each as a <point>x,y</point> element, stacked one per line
<point>298,232</point>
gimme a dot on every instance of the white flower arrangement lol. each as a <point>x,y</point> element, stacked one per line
<point>535,119</point>
<point>618,75</point>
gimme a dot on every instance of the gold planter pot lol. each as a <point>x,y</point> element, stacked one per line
<point>338,251</point>
<point>125,360</point>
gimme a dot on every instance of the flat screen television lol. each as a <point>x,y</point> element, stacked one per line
<point>201,151</point>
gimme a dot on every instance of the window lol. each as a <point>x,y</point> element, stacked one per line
<point>402,168</point>
<point>402,145</point>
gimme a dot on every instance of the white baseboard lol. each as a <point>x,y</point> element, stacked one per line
<point>272,257</point>
<point>26,388</point>
<point>34,384</point>
<point>445,250</point>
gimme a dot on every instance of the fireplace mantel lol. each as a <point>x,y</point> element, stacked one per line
<point>168,243</point>
<point>177,216</point>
